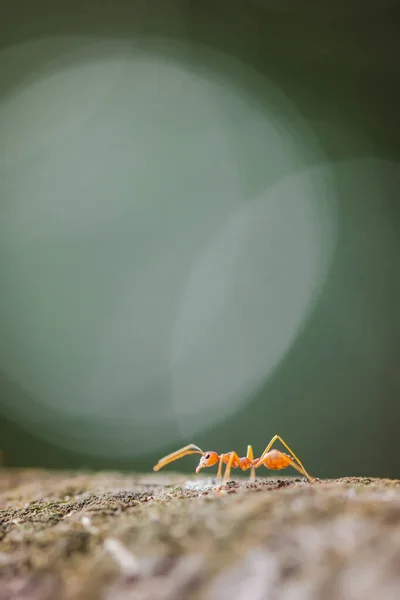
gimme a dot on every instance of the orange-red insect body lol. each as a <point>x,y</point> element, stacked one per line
<point>271,459</point>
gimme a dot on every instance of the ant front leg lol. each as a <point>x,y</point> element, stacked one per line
<point>234,461</point>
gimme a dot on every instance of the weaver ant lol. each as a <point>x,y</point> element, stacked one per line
<point>271,459</point>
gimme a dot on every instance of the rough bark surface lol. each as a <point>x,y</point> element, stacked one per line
<point>110,536</point>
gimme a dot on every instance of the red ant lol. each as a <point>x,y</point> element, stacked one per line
<point>271,459</point>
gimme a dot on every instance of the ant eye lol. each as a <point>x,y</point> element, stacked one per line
<point>207,456</point>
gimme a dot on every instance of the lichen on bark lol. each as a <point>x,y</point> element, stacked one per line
<point>111,536</point>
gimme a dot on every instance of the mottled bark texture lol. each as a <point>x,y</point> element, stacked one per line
<point>110,536</point>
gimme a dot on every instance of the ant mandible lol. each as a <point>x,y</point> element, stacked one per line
<point>271,459</point>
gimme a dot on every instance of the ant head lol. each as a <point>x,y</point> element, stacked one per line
<point>207,460</point>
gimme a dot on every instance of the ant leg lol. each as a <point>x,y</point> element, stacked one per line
<point>302,471</point>
<point>219,474</point>
<point>250,456</point>
<point>299,466</point>
<point>233,457</point>
<point>268,448</point>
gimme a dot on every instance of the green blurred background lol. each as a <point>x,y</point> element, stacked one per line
<point>199,232</point>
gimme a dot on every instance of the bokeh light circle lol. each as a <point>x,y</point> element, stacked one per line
<point>249,296</point>
<point>126,168</point>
